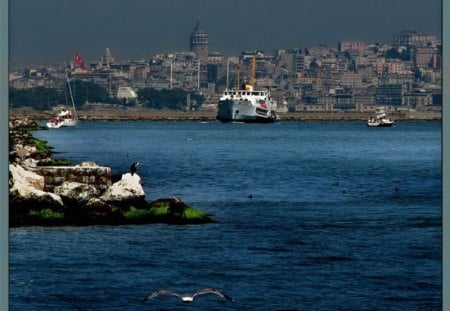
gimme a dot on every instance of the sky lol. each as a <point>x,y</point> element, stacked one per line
<point>45,32</point>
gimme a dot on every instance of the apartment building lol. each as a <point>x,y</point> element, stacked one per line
<point>389,94</point>
<point>351,80</point>
<point>415,39</point>
<point>423,56</point>
<point>417,99</point>
<point>351,46</point>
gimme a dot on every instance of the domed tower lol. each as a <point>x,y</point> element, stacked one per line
<point>199,42</point>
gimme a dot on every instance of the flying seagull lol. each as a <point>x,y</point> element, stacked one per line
<point>133,167</point>
<point>187,297</point>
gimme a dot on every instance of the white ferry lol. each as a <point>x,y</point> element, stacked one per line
<point>247,105</point>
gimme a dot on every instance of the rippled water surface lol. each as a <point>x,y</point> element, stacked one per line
<point>342,217</point>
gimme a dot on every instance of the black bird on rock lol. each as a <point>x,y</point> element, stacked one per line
<point>133,167</point>
<point>187,297</point>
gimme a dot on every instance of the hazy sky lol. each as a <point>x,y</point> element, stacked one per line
<point>48,31</point>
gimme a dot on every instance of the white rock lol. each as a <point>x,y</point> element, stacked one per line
<point>24,179</point>
<point>128,188</point>
<point>30,185</point>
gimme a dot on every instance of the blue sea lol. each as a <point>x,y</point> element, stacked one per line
<point>343,217</point>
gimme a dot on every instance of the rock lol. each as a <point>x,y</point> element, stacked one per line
<point>22,178</point>
<point>88,164</point>
<point>27,190</point>
<point>75,192</point>
<point>97,211</point>
<point>176,206</point>
<point>127,191</point>
<point>30,163</point>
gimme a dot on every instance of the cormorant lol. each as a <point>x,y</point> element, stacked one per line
<point>133,167</point>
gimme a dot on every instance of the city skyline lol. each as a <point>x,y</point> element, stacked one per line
<point>49,31</point>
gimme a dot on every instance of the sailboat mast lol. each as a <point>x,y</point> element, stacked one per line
<point>70,92</point>
<point>171,64</point>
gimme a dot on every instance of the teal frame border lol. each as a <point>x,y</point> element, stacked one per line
<point>4,161</point>
<point>445,10</point>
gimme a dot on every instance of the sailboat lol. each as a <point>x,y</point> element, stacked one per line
<point>66,117</point>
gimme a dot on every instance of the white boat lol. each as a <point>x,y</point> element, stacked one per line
<point>380,120</point>
<point>66,117</point>
<point>247,105</point>
<point>63,118</point>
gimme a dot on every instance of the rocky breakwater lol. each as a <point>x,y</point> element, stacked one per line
<point>43,192</point>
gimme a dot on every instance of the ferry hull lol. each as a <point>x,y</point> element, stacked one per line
<point>243,111</point>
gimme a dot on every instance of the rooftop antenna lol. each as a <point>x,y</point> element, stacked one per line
<point>198,76</point>
<point>228,69</point>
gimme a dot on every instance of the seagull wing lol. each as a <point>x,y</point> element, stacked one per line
<point>210,290</point>
<point>160,292</point>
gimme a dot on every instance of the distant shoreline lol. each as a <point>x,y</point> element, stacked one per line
<point>130,114</point>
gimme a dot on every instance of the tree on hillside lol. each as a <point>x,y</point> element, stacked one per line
<point>87,91</point>
<point>392,53</point>
<point>41,98</point>
<point>168,99</point>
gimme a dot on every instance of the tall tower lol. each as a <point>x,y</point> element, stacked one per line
<point>199,42</point>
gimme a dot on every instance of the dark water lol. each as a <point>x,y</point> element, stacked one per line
<point>372,242</point>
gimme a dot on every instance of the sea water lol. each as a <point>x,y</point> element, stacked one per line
<point>342,217</point>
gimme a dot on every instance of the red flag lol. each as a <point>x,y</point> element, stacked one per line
<point>79,60</point>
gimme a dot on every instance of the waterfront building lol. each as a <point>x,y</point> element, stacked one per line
<point>364,102</point>
<point>344,99</point>
<point>389,94</point>
<point>418,99</point>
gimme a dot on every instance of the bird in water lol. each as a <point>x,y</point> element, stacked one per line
<point>133,167</point>
<point>250,196</point>
<point>187,297</point>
